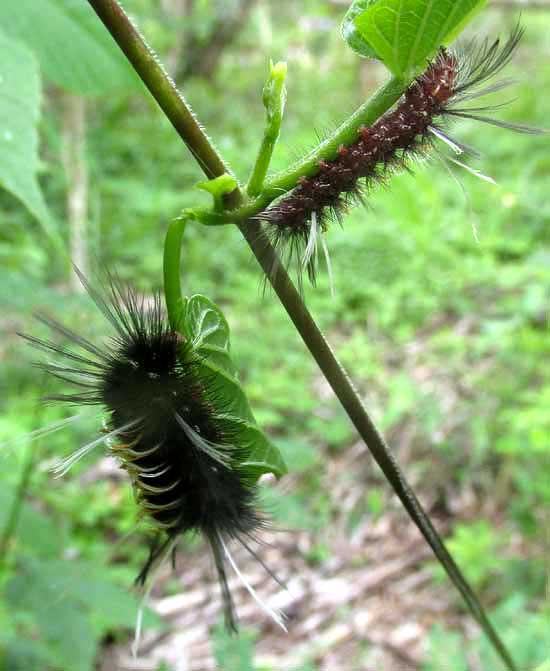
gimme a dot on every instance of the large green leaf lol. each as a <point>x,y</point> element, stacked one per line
<point>34,531</point>
<point>69,606</point>
<point>262,456</point>
<point>208,330</point>
<point>206,327</point>
<point>19,115</point>
<point>405,33</point>
<point>350,32</point>
<point>73,48</point>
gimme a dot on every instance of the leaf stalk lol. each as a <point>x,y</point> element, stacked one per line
<point>274,98</point>
<point>172,272</point>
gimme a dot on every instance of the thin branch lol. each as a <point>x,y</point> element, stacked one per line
<point>175,107</point>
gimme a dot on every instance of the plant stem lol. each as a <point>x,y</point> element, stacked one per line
<point>171,267</point>
<point>342,386</point>
<point>274,97</point>
<point>173,104</point>
<point>345,134</point>
<point>256,183</point>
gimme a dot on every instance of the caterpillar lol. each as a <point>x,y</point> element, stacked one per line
<point>298,220</point>
<point>165,423</point>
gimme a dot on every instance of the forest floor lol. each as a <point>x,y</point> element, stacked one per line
<point>368,604</point>
<point>361,593</point>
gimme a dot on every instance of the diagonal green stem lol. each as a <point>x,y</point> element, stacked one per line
<point>175,108</point>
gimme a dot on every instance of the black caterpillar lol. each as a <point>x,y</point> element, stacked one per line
<point>297,220</point>
<point>165,425</point>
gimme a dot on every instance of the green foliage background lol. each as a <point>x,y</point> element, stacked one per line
<point>443,333</point>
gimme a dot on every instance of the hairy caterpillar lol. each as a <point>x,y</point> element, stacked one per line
<point>297,221</point>
<point>165,423</point>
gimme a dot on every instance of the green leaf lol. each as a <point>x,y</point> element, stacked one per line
<point>262,456</point>
<point>405,33</point>
<point>73,48</point>
<point>34,530</point>
<point>219,186</point>
<point>206,327</point>
<point>208,330</point>
<point>19,115</point>
<point>351,34</point>
<point>71,606</point>
<point>231,398</point>
<point>274,97</point>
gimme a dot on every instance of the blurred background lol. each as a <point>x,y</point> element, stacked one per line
<point>440,315</point>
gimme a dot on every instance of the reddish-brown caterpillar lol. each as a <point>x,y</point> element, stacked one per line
<point>166,424</point>
<point>296,222</point>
